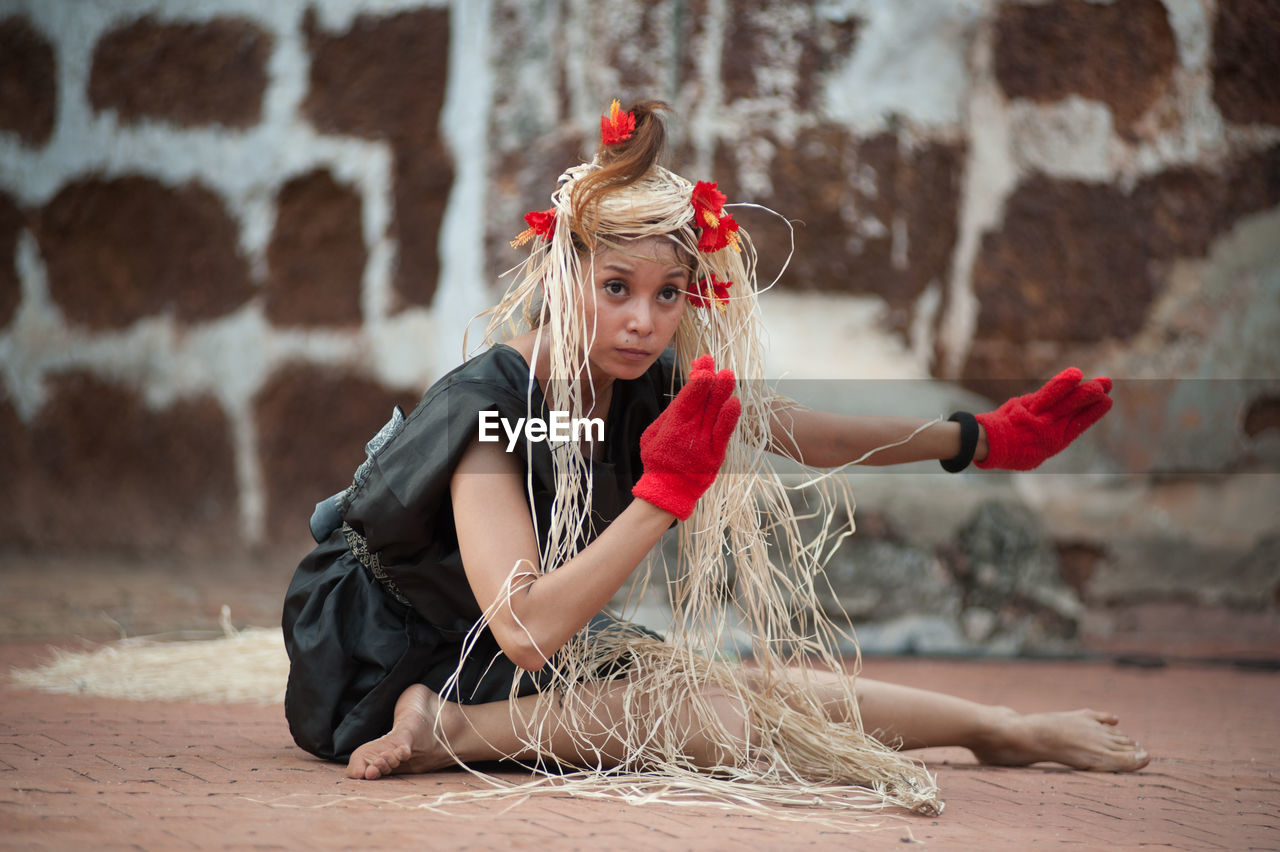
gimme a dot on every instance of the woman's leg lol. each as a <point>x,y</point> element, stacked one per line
<point>429,733</point>
<point>907,717</point>
<point>900,716</point>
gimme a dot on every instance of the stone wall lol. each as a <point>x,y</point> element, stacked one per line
<point>234,234</point>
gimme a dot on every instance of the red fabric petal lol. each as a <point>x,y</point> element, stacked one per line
<point>714,239</point>
<point>718,228</point>
<point>709,290</point>
<point>616,126</point>
<point>707,197</point>
<point>543,222</point>
<point>711,241</point>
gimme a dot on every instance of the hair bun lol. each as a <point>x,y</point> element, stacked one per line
<point>624,161</point>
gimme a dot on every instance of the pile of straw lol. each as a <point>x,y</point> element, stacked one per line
<point>246,666</point>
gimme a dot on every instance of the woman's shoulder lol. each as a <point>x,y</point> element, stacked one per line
<point>498,366</point>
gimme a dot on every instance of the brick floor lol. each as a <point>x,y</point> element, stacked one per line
<point>78,772</point>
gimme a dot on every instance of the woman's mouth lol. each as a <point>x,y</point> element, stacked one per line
<point>633,354</point>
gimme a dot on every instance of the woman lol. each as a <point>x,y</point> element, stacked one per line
<point>452,613</point>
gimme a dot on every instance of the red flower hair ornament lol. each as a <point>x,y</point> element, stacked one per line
<point>542,223</point>
<point>718,227</point>
<point>708,291</point>
<point>617,126</point>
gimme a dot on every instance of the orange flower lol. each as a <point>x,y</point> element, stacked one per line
<point>708,290</point>
<point>718,227</point>
<point>617,126</point>
<point>542,223</point>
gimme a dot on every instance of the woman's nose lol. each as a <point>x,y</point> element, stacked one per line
<point>640,320</point>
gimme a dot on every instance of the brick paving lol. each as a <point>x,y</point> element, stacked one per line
<point>91,773</point>
<point>82,772</point>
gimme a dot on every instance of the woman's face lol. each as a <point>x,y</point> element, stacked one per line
<point>634,301</point>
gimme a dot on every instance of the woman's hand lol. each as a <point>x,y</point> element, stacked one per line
<point>1028,429</point>
<point>682,449</point>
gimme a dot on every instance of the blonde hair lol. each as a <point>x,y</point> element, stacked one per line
<point>744,533</point>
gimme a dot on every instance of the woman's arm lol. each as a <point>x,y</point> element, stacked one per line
<point>823,439</point>
<point>1019,435</point>
<point>532,614</point>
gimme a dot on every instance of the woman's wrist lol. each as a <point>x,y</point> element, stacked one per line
<point>980,451</point>
<point>969,432</point>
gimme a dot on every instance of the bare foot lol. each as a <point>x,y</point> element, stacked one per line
<point>414,742</point>
<point>1082,739</point>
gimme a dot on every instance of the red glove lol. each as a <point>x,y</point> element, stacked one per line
<point>682,449</point>
<point>1028,429</point>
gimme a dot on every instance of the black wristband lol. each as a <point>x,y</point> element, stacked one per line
<point>968,442</point>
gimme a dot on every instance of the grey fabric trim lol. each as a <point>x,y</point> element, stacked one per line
<point>371,562</point>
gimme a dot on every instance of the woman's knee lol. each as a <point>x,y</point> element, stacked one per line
<point>722,731</point>
<point>737,719</point>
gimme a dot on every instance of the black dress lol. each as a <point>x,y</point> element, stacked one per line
<point>356,641</point>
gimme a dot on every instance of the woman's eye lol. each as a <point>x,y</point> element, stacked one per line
<point>670,294</point>
<point>614,287</point>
